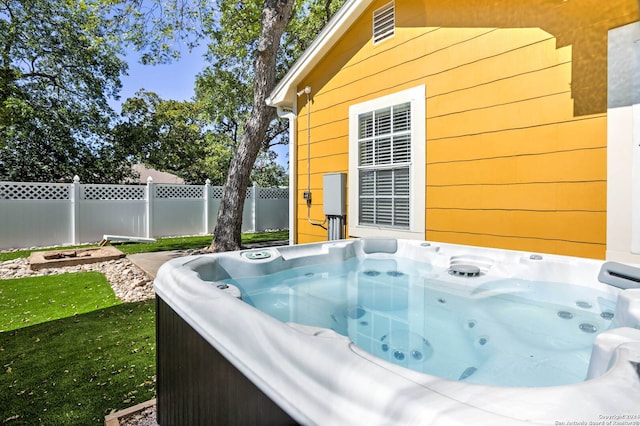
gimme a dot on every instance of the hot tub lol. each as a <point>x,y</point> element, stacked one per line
<point>380,331</point>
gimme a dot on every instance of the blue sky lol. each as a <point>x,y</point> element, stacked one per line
<point>170,81</point>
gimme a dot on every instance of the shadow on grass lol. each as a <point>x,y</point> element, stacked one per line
<point>164,244</point>
<point>34,300</point>
<point>74,371</point>
<point>198,242</point>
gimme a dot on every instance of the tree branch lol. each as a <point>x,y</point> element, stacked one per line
<point>327,11</point>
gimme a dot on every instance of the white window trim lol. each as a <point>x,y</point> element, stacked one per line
<point>416,96</point>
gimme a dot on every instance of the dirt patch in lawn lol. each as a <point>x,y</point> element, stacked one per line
<point>70,257</point>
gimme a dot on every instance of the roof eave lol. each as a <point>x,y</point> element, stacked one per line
<point>284,94</point>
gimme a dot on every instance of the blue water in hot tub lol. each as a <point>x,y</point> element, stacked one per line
<point>503,333</point>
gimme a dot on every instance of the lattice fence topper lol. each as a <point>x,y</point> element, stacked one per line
<point>273,193</point>
<point>112,192</point>
<point>88,211</point>
<point>263,193</point>
<point>215,192</point>
<point>34,191</point>
<point>179,191</point>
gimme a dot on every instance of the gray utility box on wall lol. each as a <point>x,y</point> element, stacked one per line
<point>334,187</point>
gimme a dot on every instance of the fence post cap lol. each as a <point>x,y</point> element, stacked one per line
<point>76,178</point>
<point>208,181</point>
<point>149,179</point>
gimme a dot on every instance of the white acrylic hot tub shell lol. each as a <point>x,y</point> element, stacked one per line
<point>319,377</point>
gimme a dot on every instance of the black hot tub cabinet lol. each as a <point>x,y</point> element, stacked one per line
<point>221,361</point>
<point>198,386</point>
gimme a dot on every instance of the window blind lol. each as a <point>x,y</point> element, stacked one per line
<point>384,145</point>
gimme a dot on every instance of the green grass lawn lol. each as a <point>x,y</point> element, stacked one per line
<point>197,242</point>
<point>70,352</point>
<point>164,244</point>
<point>75,370</point>
<point>33,300</point>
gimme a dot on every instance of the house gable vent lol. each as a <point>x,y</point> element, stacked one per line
<point>384,22</point>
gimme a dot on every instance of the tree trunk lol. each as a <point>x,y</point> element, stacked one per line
<point>227,234</point>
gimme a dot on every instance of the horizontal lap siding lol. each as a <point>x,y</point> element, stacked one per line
<point>536,244</point>
<point>575,196</point>
<point>567,226</point>
<point>508,163</point>
<point>578,166</point>
<point>329,154</point>
<point>576,135</point>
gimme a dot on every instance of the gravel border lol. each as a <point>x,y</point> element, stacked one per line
<point>129,283</point>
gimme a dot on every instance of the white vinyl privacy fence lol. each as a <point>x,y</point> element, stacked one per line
<point>42,214</point>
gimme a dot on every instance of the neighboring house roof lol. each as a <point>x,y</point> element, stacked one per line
<point>156,175</point>
<point>284,94</point>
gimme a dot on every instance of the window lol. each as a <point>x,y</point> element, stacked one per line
<point>386,165</point>
<point>384,23</point>
<point>384,158</point>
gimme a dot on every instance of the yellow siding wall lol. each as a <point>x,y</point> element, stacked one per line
<point>509,162</point>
